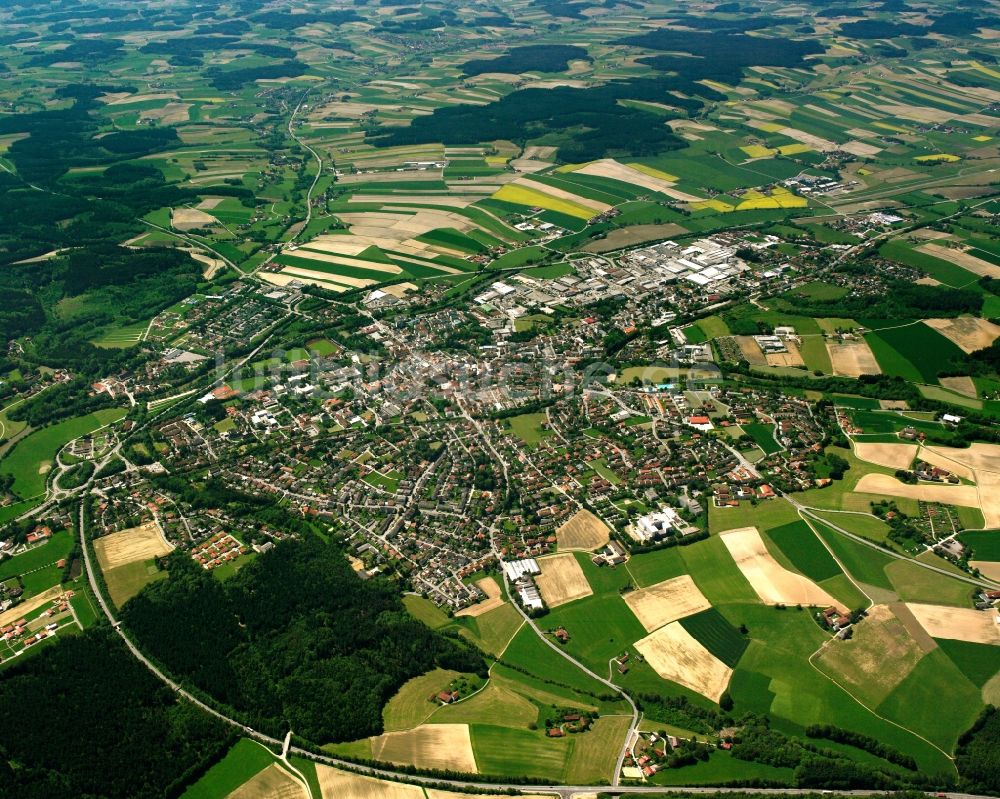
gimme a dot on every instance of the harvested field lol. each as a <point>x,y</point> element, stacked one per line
<point>212,265</point>
<point>666,602</point>
<point>988,568</point>
<point>817,143</point>
<point>859,663</point>
<point>494,598</point>
<point>791,358</point>
<point>170,114</point>
<point>451,201</point>
<point>774,584</point>
<point>944,458</point>
<point>583,531</point>
<point>913,627</point>
<point>282,279</point>
<point>892,456</point>
<point>271,783</point>
<point>635,234</point>
<point>191,218</point>
<point>429,175</point>
<point>344,260</point>
<point>958,624</point>
<point>969,333</point>
<point>562,580</point>
<point>608,168</point>
<point>966,496</point>
<point>314,275</point>
<point>976,456</point>
<point>336,784</point>
<point>960,385</point>
<point>852,358</point>
<point>129,546</point>
<point>675,655</point>
<point>963,259</point>
<point>122,98</point>
<point>445,747</point>
<point>860,149</point>
<point>753,353</point>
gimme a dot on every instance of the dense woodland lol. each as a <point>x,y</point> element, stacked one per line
<point>587,123</point>
<point>289,637</point>
<point>978,753</point>
<point>530,58</point>
<point>134,739</point>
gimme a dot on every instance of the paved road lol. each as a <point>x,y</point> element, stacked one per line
<point>980,582</point>
<point>319,167</point>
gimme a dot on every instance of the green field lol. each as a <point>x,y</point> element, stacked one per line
<point>654,567</point>
<point>56,548</point>
<point>31,458</point>
<point>717,635</point>
<point>409,707</point>
<point>863,563</point>
<point>493,630</point>
<point>763,434</point>
<point>805,551</point>
<point>528,652</point>
<point>520,753</point>
<point>985,544</point>
<point>426,611</point>
<point>914,352</point>
<point>774,676</point>
<point>127,580</point>
<point>917,701</point>
<point>600,626</point>
<point>939,269</point>
<point>528,427</point>
<point>980,663</point>
<point>716,573</point>
<point>243,761</point>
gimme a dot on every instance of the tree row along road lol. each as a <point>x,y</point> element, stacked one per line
<point>459,785</point>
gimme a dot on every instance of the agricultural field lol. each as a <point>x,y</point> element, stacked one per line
<point>404,300</point>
